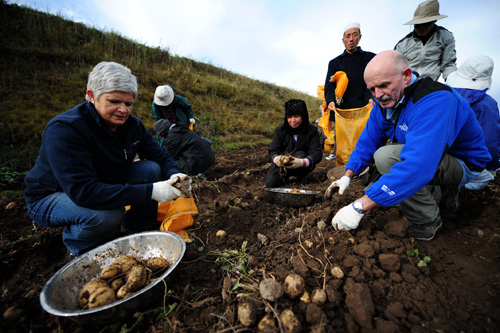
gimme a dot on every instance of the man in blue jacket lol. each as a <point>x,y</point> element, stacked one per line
<point>85,174</point>
<point>435,140</point>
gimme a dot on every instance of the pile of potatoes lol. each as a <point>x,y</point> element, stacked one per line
<point>122,278</point>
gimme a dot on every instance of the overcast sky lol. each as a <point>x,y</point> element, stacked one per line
<point>286,42</point>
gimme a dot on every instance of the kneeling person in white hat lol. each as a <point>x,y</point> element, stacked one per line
<point>472,80</point>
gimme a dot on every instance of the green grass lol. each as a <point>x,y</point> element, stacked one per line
<point>44,64</point>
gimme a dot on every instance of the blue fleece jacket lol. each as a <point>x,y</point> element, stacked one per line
<point>433,120</point>
<point>486,110</point>
<point>83,158</point>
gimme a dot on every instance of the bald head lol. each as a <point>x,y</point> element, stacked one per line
<point>386,76</point>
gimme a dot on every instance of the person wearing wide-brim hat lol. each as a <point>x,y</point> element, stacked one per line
<point>472,80</point>
<point>429,48</point>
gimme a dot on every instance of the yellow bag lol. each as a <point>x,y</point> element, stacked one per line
<point>349,124</point>
<point>326,125</point>
<point>176,215</point>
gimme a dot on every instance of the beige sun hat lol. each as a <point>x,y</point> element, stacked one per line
<point>427,11</point>
<point>475,73</point>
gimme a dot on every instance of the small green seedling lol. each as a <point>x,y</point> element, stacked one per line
<point>422,262</point>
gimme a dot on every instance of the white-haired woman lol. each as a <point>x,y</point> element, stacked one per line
<point>85,174</point>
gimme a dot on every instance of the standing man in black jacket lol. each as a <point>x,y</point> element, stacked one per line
<point>353,62</point>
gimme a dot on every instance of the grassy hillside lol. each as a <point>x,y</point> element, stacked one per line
<point>44,65</point>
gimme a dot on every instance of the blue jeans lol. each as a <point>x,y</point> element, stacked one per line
<point>86,228</point>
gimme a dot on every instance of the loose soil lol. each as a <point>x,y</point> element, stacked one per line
<point>383,288</point>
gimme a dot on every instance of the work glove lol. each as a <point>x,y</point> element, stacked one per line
<point>347,218</point>
<point>183,183</point>
<point>341,183</point>
<point>281,160</point>
<point>191,120</point>
<point>296,163</point>
<point>164,191</point>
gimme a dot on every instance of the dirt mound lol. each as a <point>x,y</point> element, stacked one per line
<point>390,283</point>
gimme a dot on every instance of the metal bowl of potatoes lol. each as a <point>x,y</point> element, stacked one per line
<point>291,196</point>
<point>60,295</point>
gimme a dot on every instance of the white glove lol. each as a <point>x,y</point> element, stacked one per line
<point>342,184</point>
<point>296,163</point>
<point>164,191</point>
<point>280,160</point>
<point>191,120</point>
<point>182,182</point>
<point>347,218</point>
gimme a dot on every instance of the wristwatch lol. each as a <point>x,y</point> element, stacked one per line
<point>358,206</point>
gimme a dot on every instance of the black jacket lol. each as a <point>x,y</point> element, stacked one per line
<point>191,152</point>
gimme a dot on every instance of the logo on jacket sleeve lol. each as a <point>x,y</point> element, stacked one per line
<point>403,127</point>
<point>388,190</point>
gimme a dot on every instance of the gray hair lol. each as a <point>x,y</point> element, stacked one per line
<point>400,62</point>
<point>111,76</point>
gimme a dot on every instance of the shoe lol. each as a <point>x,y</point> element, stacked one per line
<point>425,231</point>
<point>331,156</point>
<point>201,177</point>
<point>70,256</point>
<point>449,200</point>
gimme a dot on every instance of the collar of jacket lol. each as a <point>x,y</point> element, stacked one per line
<point>358,49</point>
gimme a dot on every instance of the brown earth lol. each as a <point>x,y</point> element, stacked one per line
<point>383,289</point>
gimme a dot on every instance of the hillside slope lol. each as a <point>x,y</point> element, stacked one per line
<point>45,61</point>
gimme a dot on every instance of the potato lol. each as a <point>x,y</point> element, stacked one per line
<point>247,313</point>
<point>117,283</point>
<point>118,267</point>
<point>157,264</point>
<point>337,272</point>
<point>290,321</point>
<point>306,298</point>
<point>123,292</point>
<point>102,296</point>
<point>136,278</point>
<point>89,289</point>
<point>111,271</point>
<point>267,324</point>
<point>270,289</point>
<point>318,296</point>
<point>294,285</point>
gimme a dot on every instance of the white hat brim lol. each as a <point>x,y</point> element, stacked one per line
<point>456,81</point>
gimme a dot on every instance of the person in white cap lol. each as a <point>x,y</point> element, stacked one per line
<point>171,106</point>
<point>429,48</point>
<point>472,80</point>
<point>353,62</point>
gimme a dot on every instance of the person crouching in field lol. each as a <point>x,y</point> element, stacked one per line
<point>85,174</point>
<point>296,148</point>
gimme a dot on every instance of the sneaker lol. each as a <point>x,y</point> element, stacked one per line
<point>449,200</point>
<point>70,256</point>
<point>331,156</point>
<point>425,231</point>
